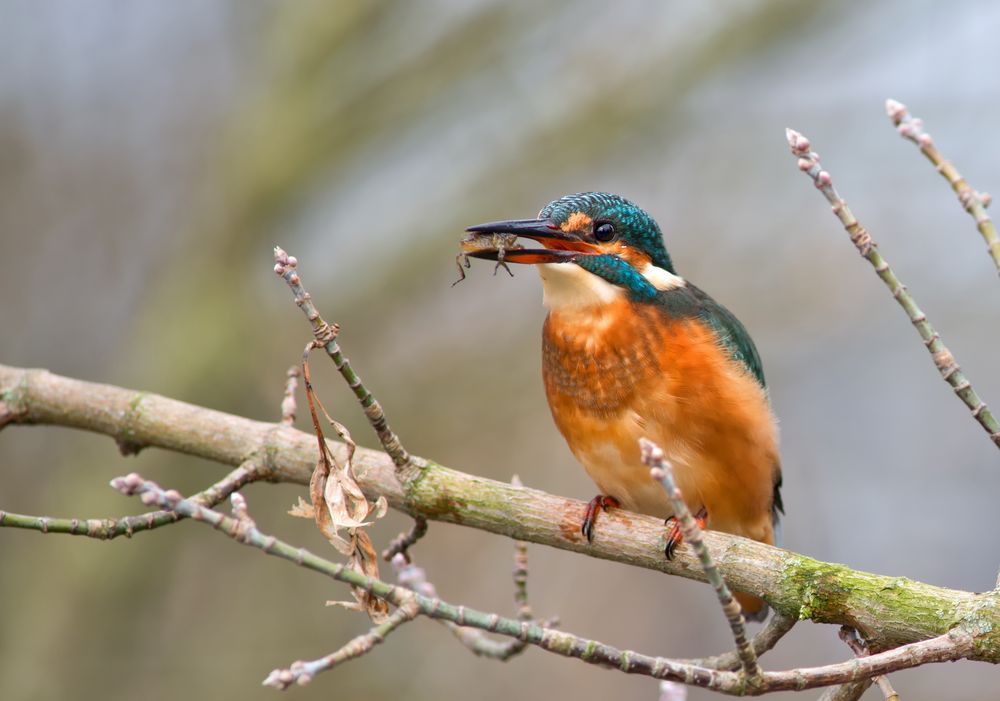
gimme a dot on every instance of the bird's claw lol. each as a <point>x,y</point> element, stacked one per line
<point>674,535</point>
<point>594,507</point>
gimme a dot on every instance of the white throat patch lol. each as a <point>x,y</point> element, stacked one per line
<point>567,286</point>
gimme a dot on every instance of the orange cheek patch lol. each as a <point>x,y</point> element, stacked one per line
<point>578,221</point>
<point>637,259</point>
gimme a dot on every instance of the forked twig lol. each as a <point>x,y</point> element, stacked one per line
<point>943,358</point>
<point>326,338</point>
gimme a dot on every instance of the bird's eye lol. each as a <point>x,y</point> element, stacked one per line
<point>604,232</point>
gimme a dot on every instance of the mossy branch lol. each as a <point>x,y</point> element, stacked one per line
<point>887,611</point>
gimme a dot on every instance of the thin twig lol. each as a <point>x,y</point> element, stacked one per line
<point>858,647</point>
<point>288,406</point>
<point>302,673</point>
<point>520,574</point>
<point>973,202</point>
<point>326,336</point>
<point>766,638</point>
<point>111,528</point>
<point>662,472</point>
<point>943,358</point>
<point>414,578</point>
<point>400,545</point>
<point>956,644</point>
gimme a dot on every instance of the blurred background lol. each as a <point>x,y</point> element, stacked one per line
<point>152,153</point>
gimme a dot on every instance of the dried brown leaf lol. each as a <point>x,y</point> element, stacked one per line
<point>365,560</point>
<point>302,509</point>
<point>339,503</point>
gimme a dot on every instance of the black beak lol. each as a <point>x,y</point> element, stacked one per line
<point>560,246</point>
<point>537,229</point>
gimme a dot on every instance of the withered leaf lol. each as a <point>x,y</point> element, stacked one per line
<point>338,503</point>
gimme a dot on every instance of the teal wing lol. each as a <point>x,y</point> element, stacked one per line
<point>734,337</point>
<point>736,340</point>
<point>689,301</point>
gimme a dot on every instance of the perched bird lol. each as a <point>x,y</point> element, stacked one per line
<point>630,349</point>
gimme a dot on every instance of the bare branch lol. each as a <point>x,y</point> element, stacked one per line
<point>955,644</point>
<point>850,636</point>
<point>662,472</point>
<point>400,545</point>
<point>326,337</point>
<point>973,202</point>
<point>110,528</point>
<point>520,573</point>
<point>888,611</point>
<point>415,579</point>
<point>767,637</point>
<point>302,673</point>
<point>943,358</point>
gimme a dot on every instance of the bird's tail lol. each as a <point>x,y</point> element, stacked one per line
<point>754,608</point>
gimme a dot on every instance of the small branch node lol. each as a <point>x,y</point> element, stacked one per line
<point>944,360</point>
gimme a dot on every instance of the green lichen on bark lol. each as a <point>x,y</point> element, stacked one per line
<point>888,611</point>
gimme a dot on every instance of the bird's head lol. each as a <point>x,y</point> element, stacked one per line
<point>597,246</point>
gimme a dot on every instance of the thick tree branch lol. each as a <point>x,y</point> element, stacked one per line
<point>887,611</point>
<point>954,645</point>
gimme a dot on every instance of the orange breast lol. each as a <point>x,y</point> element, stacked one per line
<point>616,372</point>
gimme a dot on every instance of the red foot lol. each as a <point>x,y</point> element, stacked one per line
<point>594,507</point>
<point>674,535</point>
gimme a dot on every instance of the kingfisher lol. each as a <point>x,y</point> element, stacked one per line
<point>631,349</point>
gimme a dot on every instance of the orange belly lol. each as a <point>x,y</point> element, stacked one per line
<point>622,371</point>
